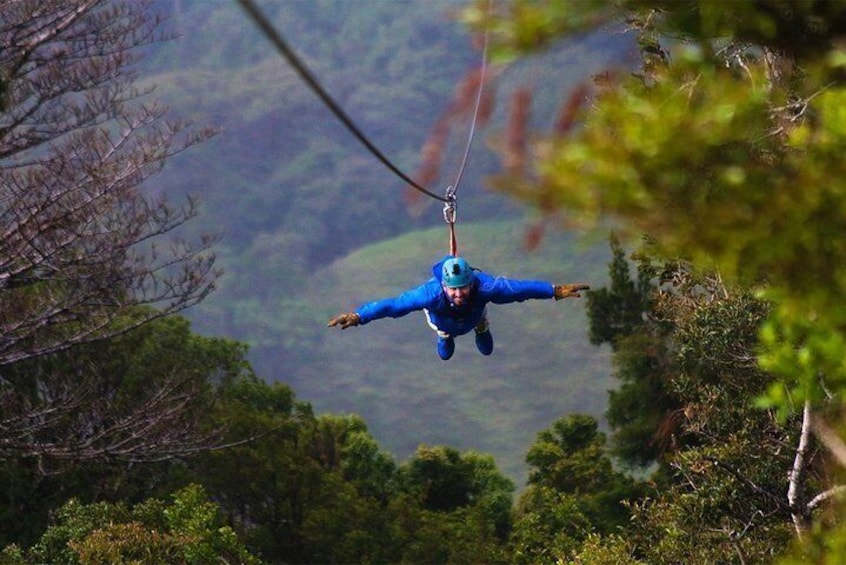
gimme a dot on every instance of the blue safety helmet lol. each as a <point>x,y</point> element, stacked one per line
<point>456,273</point>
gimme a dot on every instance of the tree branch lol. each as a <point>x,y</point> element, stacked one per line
<point>795,489</point>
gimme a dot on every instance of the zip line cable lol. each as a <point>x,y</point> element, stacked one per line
<point>450,212</point>
<point>270,32</point>
<point>482,72</point>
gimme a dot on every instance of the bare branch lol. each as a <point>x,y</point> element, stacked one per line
<point>824,496</point>
<point>77,143</point>
<point>795,489</point>
<point>86,253</point>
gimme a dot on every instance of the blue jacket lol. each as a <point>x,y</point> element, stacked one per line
<point>448,318</point>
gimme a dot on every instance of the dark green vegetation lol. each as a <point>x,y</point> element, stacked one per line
<point>722,149</point>
<point>309,488</point>
<point>290,486</point>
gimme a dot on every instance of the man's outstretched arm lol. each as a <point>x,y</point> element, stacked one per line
<point>409,301</point>
<point>501,290</point>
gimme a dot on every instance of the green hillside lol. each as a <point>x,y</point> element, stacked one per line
<point>543,365</point>
<point>291,191</point>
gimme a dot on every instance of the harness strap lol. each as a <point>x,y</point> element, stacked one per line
<point>432,325</point>
<point>453,244</point>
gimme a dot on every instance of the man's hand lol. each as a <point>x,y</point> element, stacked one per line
<point>569,290</point>
<point>345,320</point>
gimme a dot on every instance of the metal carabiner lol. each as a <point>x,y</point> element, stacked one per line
<point>449,205</point>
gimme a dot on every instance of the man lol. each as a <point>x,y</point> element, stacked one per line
<point>455,301</point>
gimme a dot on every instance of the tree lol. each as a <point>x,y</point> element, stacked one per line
<point>137,397</point>
<point>573,493</point>
<point>731,490</point>
<point>263,486</point>
<point>87,253</point>
<point>641,411</point>
<point>549,526</point>
<point>727,493</point>
<point>319,489</point>
<point>457,507</point>
<point>570,459</point>
<point>307,488</point>
<point>724,147</point>
<point>621,309</point>
<point>188,529</point>
<point>80,422</point>
<point>79,245</point>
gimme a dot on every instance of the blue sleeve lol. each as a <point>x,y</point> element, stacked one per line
<point>424,296</point>
<point>501,290</point>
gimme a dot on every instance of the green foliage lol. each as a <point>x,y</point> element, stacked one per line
<point>824,544</point>
<point>463,536</point>
<point>573,492</point>
<point>528,26</point>
<point>444,479</point>
<point>803,30</point>
<point>619,309</point>
<point>725,149</point>
<point>290,485</point>
<point>274,478</point>
<point>549,526</point>
<point>127,543</point>
<point>125,370</point>
<point>571,458</point>
<point>610,550</point>
<point>441,478</point>
<point>727,156</point>
<point>75,521</point>
<point>187,530</point>
<point>622,315</point>
<point>12,555</point>
<point>677,532</point>
<point>319,489</point>
<point>641,407</point>
<point>723,496</point>
<point>464,512</point>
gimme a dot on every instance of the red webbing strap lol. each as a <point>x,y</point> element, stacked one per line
<point>453,244</point>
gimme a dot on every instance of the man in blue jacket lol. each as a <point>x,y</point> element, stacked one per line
<point>455,301</point>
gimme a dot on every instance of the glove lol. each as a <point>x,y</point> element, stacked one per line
<point>345,320</point>
<point>569,290</point>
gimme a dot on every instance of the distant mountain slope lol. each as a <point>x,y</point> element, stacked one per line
<point>291,191</point>
<point>542,368</point>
